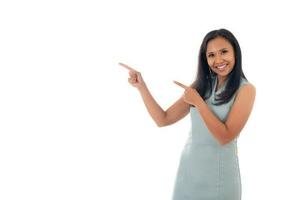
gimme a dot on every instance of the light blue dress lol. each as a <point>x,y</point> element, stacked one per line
<point>208,170</point>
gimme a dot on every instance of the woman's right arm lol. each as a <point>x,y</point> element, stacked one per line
<point>164,118</point>
<point>154,109</point>
<point>176,112</point>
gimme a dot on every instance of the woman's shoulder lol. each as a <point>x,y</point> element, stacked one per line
<point>246,85</point>
<point>244,81</point>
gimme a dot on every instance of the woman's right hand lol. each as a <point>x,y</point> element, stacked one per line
<point>135,77</point>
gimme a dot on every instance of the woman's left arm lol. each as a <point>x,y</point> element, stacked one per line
<point>237,117</point>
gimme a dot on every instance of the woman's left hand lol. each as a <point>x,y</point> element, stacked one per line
<point>190,96</point>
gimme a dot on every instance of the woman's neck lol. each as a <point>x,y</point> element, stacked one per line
<point>220,81</point>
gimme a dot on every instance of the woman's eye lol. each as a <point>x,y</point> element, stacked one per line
<point>224,51</point>
<point>211,55</point>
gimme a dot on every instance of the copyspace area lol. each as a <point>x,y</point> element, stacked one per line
<point>72,127</point>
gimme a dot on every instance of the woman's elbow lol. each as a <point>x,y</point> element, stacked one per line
<point>161,123</point>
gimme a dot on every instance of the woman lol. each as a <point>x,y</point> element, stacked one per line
<point>219,101</point>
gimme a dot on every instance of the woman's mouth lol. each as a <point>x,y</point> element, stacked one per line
<point>221,67</point>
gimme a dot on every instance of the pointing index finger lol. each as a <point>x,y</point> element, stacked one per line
<point>180,84</point>
<point>127,67</point>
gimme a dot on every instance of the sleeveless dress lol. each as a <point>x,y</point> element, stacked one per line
<point>208,170</point>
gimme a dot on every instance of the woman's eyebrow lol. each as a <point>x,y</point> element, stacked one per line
<point>223,49</point>
<point>218,50</point>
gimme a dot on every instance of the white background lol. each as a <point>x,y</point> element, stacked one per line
<point>72,127</point>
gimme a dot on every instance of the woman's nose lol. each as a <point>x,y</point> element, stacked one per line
<point>218,58</point>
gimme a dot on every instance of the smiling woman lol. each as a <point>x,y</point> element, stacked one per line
<point>209,167</point>
<point>219,101</point>
<point>220,56</point>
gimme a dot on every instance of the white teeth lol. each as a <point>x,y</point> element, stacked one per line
<point>221,67</point>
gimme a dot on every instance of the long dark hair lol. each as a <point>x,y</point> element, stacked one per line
<point>203,82</point>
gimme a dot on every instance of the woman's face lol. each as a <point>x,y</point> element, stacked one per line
<point>220,56</point>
